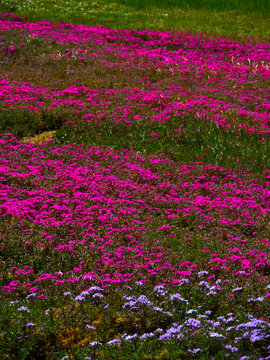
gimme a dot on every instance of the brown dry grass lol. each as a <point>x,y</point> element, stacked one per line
<point>40,138</point>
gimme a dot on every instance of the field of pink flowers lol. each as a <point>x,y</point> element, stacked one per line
<point>113,243</point>
<point>164,74</point>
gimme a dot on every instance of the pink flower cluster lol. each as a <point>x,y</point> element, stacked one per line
<point>176,73</point>
<point>115,210</point>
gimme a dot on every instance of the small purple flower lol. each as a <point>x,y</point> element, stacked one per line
<point>194,351</point>
<point>222,318</point>
<point>90,327</point>
<point>260,299</point>
<point>201,273</point>
<point>146,335</point>
<point>256,335</point>
<point>201,316</point>
<point>216,335</point>
<point>193,323</point>
<point>158,287</point>
<point>129,338</point>
<point>114,342</point>
<point>143,300</point>
<point>191,311</point>
<point>95,288</point>
<point>232,348</point>
<point>130,303</point>
<point>238,288</point>
<point>30,324</point>
<point>183,281</point>
<point>178,297</point>
<point>166,336</point>
<point>94,343</point>
<point>167,313</point>
<point>97,295</point>
<point>31,295</point>
<point>23,308</point>
<point>205,284</point>
<point>212,292</point>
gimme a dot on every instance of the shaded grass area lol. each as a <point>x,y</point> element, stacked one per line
<point>23,123</point>
<point>196,140</point>
<point>223,18</point>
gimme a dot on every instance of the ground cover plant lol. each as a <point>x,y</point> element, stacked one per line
<point>185,95</point>
<point>141,231</point>
<point>175,254</point>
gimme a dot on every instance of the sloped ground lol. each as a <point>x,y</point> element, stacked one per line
<point>137,240</point>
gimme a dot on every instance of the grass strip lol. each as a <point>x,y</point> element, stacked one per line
<point>196,139</point>
<point>229,19</point>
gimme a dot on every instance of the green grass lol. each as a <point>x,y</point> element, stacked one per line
<point>201,140</point>
<point>222,18</point>
<point>23,123</point>
<point>245,6</point>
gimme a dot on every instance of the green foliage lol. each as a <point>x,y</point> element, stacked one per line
<point>59,327</point>
<point>199,140</point>
<point>24,123</point>
<point>224,18</point>
<point>245,6</point>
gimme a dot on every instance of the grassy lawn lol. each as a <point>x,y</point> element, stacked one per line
<point>221,18</point>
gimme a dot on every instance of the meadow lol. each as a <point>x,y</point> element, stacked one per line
<point>134,180</point>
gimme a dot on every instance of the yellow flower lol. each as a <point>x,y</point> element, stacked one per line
<point>97,322</point>
<point>84,341</point>
<point>120,320</point>
<point>164,352</point>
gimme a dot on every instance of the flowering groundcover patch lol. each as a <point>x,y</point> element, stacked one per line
<point>121,249</point>
<point>192,97</point>
<point>160,245</point>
